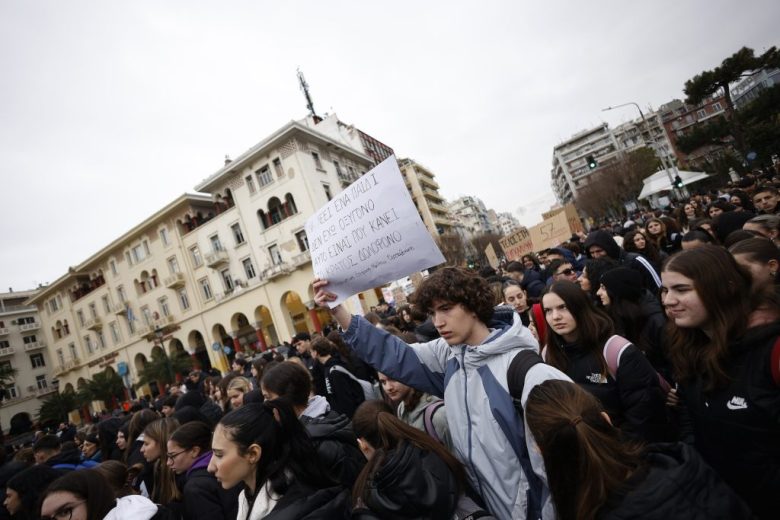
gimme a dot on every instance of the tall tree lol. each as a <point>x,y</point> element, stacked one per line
<point>7,375</point>
<point>104,386</point>
<point>56,407</point>
<point>739,65</point>
<point>616,183</point>
<point>163,368</point>
<point>452,247</point>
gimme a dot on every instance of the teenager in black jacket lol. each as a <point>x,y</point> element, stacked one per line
<point>577,334</point>
<point>189,454</point>
<point>725,357</point>
<point>409,474</point>
<point>330,432</point>
<point>595,473</point>
<point>342,391</point>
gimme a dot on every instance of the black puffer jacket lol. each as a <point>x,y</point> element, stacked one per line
<point>205,499</point>
<point>302,502</point>
<point>411,483</point>
<point>634,400</point>
<point>676,484</point>
<point>653,336</point>
<point>604,240</point>
<point>736,428</point>
<point>336,445</point>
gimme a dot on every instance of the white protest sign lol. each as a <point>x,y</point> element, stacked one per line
<point>369,234</point>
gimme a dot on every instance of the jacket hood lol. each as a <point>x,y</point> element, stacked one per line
<point>412,483</point>
<point>200,463</point>
<point>132,507</point>
<point>416,414</point>
<point>331,425</point>
<point>604,240</point>
<point>568,256</point>
<point>318,406</point>
<point>501,340</point>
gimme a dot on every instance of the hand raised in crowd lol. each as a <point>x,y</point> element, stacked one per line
<point>322,297</point>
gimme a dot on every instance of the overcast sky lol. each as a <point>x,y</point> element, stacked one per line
<point>109,110</point>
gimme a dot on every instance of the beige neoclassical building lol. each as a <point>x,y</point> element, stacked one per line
<point>228,266</point>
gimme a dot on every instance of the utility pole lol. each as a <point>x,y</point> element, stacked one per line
<point>668,166</point>
<point>305,89</point>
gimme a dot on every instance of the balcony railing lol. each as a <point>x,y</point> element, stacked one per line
<point>27,327</point>
<point>277,270</point>
<point>301,259</point>
<point>49,389</point>
<point>95,323</point>
<point>174,281</point>
<point>217,258</point>
<point>72,363</point>
<point>119,308</point>
<point>4,331</point>
<point>35,345</point>
<point>58,370</point>
<point>7,351</point>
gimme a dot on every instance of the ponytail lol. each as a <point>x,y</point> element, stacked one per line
<point>375,422</point>
<point>273,426</point>
<point>585,457</point>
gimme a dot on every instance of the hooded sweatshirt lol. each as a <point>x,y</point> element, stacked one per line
<point>488,434</point>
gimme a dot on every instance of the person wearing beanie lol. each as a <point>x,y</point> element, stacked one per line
<point>23,490</point>
<point>637,314</point>
<point>725,223</point>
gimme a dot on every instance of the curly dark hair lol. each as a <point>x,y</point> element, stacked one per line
<point>456,285</point>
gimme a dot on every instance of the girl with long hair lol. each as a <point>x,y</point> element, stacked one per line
<point>189,454</point>
<point>595,472</point>
<point>637,314</point>
<point>408,474</point>
<point>761,257</point>
<point>265,447</point>
<point>23,490</point>
<point>329,431</point>
<point>722,365</point>
<point>577,337</point>
<point>636,241</point>
<point>155,451</point>
<point>418,409</point>
<point>236,390</point>
<point>661,237</point>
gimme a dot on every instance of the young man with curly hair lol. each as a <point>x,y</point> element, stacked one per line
<point>478,366</point>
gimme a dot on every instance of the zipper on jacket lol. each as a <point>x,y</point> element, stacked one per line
<point>468,417</point>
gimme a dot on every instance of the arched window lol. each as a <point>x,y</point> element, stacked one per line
<point>263,218</point>
<point>289,203</point>
<point>275,210</point>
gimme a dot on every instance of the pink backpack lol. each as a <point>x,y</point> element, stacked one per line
<point>613,349</point>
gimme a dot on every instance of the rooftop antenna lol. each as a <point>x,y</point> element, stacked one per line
<point>305,89</point>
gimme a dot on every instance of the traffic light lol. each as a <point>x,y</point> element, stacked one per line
<point>592,162</point>
<point>678,183</point>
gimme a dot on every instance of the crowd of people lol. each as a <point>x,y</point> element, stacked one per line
<point>631,372</point>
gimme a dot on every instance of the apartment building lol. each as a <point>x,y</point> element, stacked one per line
<point>471,214</point>
<point>681,119</point>
<point>424,189</point>
<point>220,271</point>
<point>570,170</point>
<point>23,348</point>
<point>507,223</point>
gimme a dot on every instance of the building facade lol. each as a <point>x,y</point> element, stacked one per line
<point>570,170</point>
<point>507,223</point>
<point>22,348</point>
<point>681,119</point>
<point>424,190</point>
<point>471,214</point>
<point>210,274</point>
<point>751,87</point>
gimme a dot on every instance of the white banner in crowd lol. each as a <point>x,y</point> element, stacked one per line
<point>369,234</point>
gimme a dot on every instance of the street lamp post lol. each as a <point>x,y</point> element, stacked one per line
<point>654,144</point>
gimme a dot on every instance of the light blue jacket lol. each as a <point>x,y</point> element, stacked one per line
<point>489,436</point>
